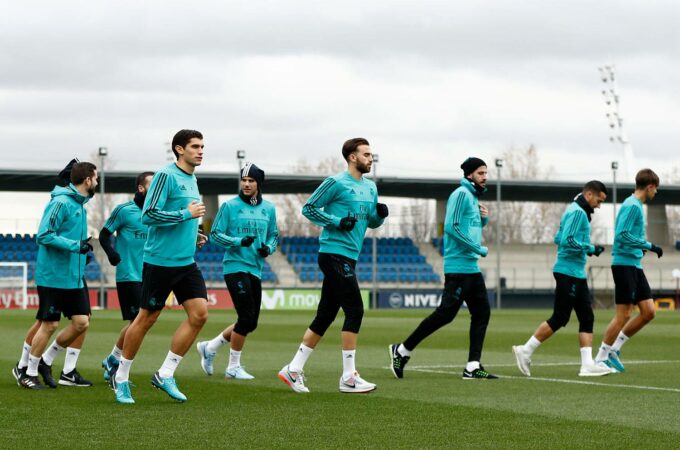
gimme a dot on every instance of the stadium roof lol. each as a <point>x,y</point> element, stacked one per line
<point>211,183</point>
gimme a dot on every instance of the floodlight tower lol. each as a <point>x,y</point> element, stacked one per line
<point>616,123</point>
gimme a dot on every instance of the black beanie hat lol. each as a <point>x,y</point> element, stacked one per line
<point>471,164</point>
<point>65,174</point>
<point>254,172</point>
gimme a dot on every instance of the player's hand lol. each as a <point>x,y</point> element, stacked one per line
<point>263,251</point>
<point>483,210</point>
<point>201,240</point>
<point>382,210</point>
<point>197,209</point>
<point>347,223</point>
<point>89,258</point>
<point>598,250</point>
<point>656,249</point>
<point>85,246</point>
<point>114,258</point>
<point>485,251</point>
<point>247,241</point>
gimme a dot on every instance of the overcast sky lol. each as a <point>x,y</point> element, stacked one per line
<point>427,82</point>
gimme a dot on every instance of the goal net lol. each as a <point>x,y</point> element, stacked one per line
<point>13,285</point>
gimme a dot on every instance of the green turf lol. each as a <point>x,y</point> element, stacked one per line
<point>430,408</point>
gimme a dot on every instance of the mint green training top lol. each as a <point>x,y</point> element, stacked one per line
<point>126,221</point>
<point>573,242</point>
<point>629,235</point>
<point>341,196</point>
<point>172,230</point>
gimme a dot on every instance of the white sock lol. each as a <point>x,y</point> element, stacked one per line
<point>216,343</point>
<point>300,358</point>
<point>234,359</point>
<point>117,352</point>
<point>169,366</point>
<point>586,356</point>
<point>531,345</point>
<point>603,353</point>
<point>25,351</point>
<point>472,365</point>
<point>32,369</point>
<point>620,340</point>
<point>71,359</point>
<point>348,363</point>
<point>52,353</point>
<point>403,351</point>
<point>123,372</point>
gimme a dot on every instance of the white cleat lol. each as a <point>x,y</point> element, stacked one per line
<point>355,385</point>
<point>207,357</point>
<point>523,360</point>
<point>238,373</point>
<point>295,380</point>
<point>597,369</point>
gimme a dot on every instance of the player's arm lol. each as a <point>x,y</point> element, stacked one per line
<point>153,213</point>
<point>54,216</point>
<point>452,224</point>
<point>111,226</point>
<point>378,214</point>
<point>484,213</point>
<point>272,233</point>
<point>218,232</point>
<point>624,232</point>
<point>313,209</point>
<point>572,224</point>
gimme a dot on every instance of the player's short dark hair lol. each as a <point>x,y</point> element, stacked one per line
<point>595,187</point>
<point>645,177</point>
<point>80,171</point>
<point>351,145</point>
<point>140,178</point>
<point>182,138</point>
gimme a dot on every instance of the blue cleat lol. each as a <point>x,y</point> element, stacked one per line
<point>207,357</point>
<point>238,373</point>
<point>109,364</point>
<point>614,361</point>
<point>169,385</point>
<point>123,394</point>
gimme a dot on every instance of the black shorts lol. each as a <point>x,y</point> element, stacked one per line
<point>55,301</point>
<point>186,282</point>
<point>129,298</point>
<point>631,285</point>
<point>571,293</point>
<point>246,293</point>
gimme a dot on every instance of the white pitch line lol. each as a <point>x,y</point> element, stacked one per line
<point>453,366</point>
<point>560,380</point>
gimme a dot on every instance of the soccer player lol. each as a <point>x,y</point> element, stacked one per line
<point>126,222</point>
<point>571,291</point>
<point>344,205</point>
<point>62,248</point>
<point>171,211</point>
<point>463,282</point>
<point>246,227</point>
<point>631,286</point>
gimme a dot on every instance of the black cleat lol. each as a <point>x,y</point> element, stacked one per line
<point>478,374</point>
<point>46,372</point>
<point>17,373</point>
<point>73,378</point>
<point>31,382</point>
<point>397,362</point>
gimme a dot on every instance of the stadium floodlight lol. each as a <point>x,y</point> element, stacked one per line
<point>499,165</point>
<point>240,156</point>
<point>615,122</point>
<point>103,151</point>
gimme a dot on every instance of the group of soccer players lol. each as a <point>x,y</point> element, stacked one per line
<point>157,234</point>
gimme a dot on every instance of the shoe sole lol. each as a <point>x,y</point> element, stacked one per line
<point>161,389</point>
<point>389,350</point>
<point>16,376</point>
<point>290,385</point>
<point>357,391</point>
<point>71,383</point>
<point>200,355</point>
<point>581,374</point>
<point>228,377</point>
<point>515,351</point>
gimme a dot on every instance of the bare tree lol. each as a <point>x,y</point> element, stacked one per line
<point>673,212</point>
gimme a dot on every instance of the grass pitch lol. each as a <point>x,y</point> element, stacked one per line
<point>432,407</point>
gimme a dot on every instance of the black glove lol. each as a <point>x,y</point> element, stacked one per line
<point>382,210</point>
<point>89,258</point>
<point>85,246</point>
<point>263,251</point>
<point>247,241</point>
<point>598,250</point>
<point>114,258</point>
<point>347,223</point>
<point>656,249</point>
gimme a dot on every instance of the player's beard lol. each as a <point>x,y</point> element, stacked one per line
<point>91,191</point>
<point>363,168</point>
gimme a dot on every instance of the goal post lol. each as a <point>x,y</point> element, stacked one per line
<point>14,283</point>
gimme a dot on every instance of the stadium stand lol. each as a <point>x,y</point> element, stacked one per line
<point>23,248</point>
<point>209,260</point>
<point>399,260</point>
